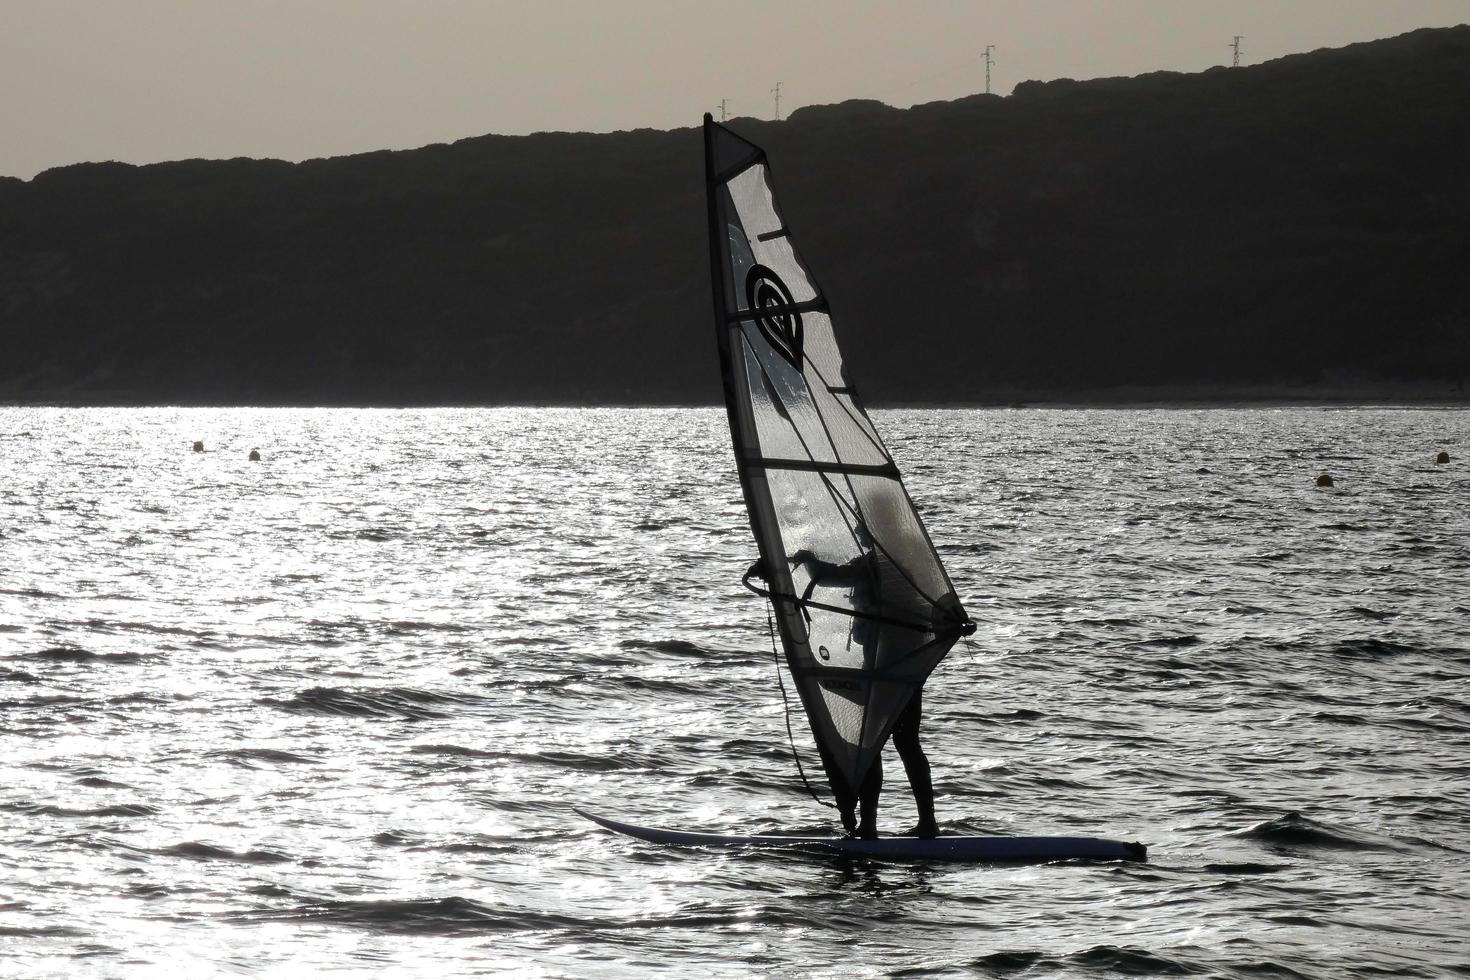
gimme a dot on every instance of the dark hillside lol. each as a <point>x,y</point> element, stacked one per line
<point>1298,227</point>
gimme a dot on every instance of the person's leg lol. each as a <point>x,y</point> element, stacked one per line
<point>868,795</point>
<point>916,764</point>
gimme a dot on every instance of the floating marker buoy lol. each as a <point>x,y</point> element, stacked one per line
<point>255,455</point>
<point>1442,458</point>
<point>199,447</point>
<point>1324,480</point>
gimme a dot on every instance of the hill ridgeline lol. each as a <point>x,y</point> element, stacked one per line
<point>1299,228</point>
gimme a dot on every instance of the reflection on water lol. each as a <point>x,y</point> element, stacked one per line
<point>330,709</point>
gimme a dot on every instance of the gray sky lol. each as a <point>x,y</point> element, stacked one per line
<point>149,80</point>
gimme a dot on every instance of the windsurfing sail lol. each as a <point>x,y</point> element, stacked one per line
<point>863,605</point>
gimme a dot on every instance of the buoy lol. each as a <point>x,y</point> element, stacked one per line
<point>255,455</point>
<point>1324,480</point>
<point>1443,457</point>
<point>199,447</point>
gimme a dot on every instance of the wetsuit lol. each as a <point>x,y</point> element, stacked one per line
<point>915,766</point>
<point>861,575</point>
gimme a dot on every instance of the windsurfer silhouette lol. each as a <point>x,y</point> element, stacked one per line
<point>861,575</point>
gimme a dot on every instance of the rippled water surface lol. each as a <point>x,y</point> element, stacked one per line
<point>330,711</point>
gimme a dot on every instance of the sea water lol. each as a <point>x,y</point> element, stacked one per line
<point>330,711</point>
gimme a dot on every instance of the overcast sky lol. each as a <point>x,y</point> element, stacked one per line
<point>149,80</point>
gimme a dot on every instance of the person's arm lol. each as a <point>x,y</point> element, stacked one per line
<point>831,574</point>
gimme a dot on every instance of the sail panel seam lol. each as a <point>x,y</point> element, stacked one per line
<point>735,170</point>
<point>818,466</point>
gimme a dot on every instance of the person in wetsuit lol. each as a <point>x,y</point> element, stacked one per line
<point>859,811</point>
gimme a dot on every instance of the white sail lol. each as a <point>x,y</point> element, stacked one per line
<point>864,606</point>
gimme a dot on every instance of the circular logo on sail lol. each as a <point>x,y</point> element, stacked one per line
<point>769,299</point>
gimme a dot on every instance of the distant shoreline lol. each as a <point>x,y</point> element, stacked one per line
<point>1427,397</point>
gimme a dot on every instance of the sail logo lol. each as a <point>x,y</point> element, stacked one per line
<point>771,302</point>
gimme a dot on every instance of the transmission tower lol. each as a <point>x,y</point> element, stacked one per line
<point>777,93</point>
<point>988,62</point>
<point>1235,46</point>
<point>723,104</point>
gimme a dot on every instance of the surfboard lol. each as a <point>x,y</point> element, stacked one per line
<point>976,849</point>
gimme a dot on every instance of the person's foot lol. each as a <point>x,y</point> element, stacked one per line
<point>926,830</point>
<point>866,832</point>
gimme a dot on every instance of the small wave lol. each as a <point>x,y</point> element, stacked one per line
<point>32,594</point>
<point>1440,706</point>
<point>1019,714</point>
<point>430,917</point>
<point>200,851</point>
<point>40,931</point>
<point>1412,724</point>
<point>366,534</point>
<point>1336,718</point>
<point>479,844</point>
<point>141,697</point>
<point>1130,960</point>
<point>559,760</point>
<point>1367,613</point>
<point>19,677</point>
<point>1185,640</point>
<point>1373,648</point>
<point>475,847</point>
<point>1107,960</point>
<point>98,782</point>
<point>1246,868</point>
<point>385,702</point>
<point>681,647</point>
<point>455,750</point>
<point>655,684</point>
<point>970,548</point>
<point>1057,782</point>
<point>248,757</point>
<point>1309,921</point>
<point>1295,830</point>
<point>410,626</point>
<point>1000,963</point>
<point>539,683</point>
<point>1432,844</point>
<point>51,810</point>
<point>76,655</point>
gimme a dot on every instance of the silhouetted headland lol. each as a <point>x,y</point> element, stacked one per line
<point>1298,229</point>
